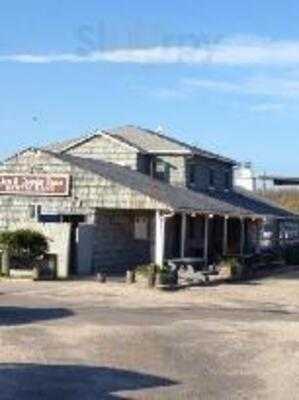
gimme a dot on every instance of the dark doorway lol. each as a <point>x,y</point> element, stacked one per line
<point>74,220</point>
<point>234,235</point>
<point>173,237</point>
<point>215,237</point>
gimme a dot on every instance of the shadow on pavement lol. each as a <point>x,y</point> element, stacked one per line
<point>23,315</point>
<point>291,274</point>
<point>52,382</point>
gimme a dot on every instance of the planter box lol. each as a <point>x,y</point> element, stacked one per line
<point>21,273</point>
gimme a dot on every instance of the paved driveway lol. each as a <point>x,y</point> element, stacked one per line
<point>85,340</point>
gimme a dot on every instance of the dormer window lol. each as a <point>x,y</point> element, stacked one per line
<point>192,174</point>
<point>161,170</point>
<point>211,178</point>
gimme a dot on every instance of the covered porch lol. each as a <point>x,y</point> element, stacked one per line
<point>203,238</point>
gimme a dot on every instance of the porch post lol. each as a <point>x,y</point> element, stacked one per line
<point>206,240</point>
<point>183,235</point>
<point>242,236</point>
<point>159,239</point>
<point>258,234</point>
<point>225,231</point>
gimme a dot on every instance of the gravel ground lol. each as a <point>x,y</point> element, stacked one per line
<point>86,340</point>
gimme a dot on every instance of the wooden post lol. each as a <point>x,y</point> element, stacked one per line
<point>5,262</point>
<point>206,240</point>
<point>259,225</point>
<point>225,232</point>
<point>183,234</point>
<point>242,236</point>
<point>159,239</point>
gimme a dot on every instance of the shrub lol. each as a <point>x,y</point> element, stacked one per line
<point>24,246</point>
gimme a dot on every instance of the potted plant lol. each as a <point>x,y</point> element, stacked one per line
<point>237,268</point>
<point>131,276</point>
<point>168,277</point>
<point>102,275</point>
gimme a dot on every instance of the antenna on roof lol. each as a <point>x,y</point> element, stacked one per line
<point>160,129</point>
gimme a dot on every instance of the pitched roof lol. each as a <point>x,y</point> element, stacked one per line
<point>252,202</point>
<point>155,142</point>
<point>234,203</point>
<point>59,147</point>
<point>143,140</point>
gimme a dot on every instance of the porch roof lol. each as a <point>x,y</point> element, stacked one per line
<point>233,203</point>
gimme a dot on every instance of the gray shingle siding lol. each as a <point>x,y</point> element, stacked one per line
<point>118,248</point>
<point>136,148</point>
<point>176,169</point>
<point>202,168</point>
<point>104,148</point>
<point>90,189</point>
<point>178,172</point>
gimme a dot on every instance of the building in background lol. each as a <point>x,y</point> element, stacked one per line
<point>280,189</point>
<point>245,177</point>
<point>276,182</point>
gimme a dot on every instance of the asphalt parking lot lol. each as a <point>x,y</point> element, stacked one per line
<point>86,340</point>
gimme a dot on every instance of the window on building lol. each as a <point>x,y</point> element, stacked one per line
<point>50,218</point>
<point>192,174</point>
<point>227,180</point>
<point>211,178</point>
<point>35,211</point>
<point>161,170</point>
<point>141,228</point>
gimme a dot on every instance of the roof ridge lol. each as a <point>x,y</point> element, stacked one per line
<point>81,140</point>
<point>71,141</point>
<point>190,146</point>
<point>121,139</point>
<point>177,141</point>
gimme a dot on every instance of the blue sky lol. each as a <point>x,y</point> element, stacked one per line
<point>221,74</point>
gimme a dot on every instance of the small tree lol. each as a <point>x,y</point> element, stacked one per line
<point>25,246</point>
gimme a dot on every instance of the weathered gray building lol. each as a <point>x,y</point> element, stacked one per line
<point>132,196</point>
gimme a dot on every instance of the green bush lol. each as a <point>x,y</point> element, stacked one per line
<point>24,246</point>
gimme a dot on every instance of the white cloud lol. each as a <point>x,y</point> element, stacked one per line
<point>280,87</point>
<point>233,52</point>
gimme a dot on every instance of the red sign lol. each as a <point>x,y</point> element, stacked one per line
<point>35,185</point>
